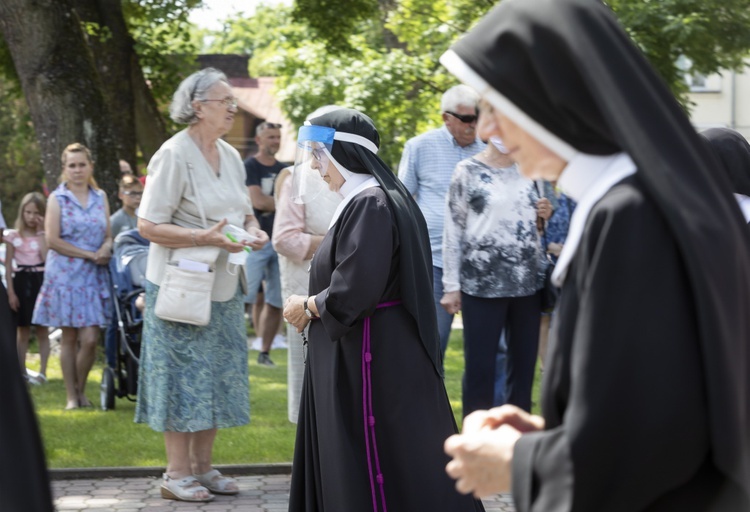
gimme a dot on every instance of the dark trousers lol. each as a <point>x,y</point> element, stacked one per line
<point>110,342</point>
<point>484,322</point>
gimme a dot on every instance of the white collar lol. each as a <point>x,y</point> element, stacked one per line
<point>586,179</point>
<point>744,202</point>
<point>353,186</point>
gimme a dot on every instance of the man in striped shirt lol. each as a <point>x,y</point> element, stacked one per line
<point>426,168</point>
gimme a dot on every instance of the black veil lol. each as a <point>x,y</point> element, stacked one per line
<point>572,70</point>
<point>733,150</point>
<point>416,257</point>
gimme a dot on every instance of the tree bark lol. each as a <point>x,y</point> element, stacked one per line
<point>61,84</point>
<point>136,118</point>
<point>150,127</point>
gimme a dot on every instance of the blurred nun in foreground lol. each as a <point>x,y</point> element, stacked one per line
<point>645,394</point>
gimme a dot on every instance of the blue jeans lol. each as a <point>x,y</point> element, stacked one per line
<point>444,319</point>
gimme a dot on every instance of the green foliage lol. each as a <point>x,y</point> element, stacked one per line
<point>334,21</point>
<point>428,26</point>
<point>95,30</point>
<point>7,68</point>
<point>375,82</point>
<point>164,41</point>
<point>388,67</point>
<point>377,56</point>
<point>381,56</point>
<point>713,35</point>
<point>264,36</point>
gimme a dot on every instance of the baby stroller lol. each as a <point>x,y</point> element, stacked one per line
<point>127,269</point>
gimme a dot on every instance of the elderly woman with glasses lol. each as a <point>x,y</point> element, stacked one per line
<point>193,379</point>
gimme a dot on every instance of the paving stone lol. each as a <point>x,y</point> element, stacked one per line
<point>269,493</point>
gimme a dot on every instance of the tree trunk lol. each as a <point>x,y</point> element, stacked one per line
<point>108,39</point>
<point>150,127</point>
<point>61,84</point>
<point>136,118</point>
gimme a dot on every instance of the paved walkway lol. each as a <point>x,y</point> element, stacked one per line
<point>258,493</point>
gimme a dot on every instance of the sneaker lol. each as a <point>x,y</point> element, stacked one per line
<point>265,360</point>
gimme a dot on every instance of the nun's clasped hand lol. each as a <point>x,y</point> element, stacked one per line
<point>294,312</point>
<point>483,452</point>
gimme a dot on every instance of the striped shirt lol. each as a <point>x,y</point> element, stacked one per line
<point>426,168</point>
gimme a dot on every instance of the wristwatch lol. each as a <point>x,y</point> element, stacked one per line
<point>308,311</point>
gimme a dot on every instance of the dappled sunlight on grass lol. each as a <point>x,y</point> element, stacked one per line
<point>89,437</point>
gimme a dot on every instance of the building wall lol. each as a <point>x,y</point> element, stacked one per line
<point>724,101</point>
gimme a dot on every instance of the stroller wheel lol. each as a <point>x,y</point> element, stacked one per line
<point>107,389</point>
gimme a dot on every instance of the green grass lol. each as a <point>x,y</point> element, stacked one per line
<point>93,438</point>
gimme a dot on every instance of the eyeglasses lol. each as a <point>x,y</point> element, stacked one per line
<point>319,154</point>
<point>133,193</point>
<point>464,118</point>
<point>227,102</point>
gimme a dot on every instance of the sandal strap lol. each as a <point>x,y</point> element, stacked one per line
<point>210,475</point>
<point>215,481</point>
<point>183,482</point>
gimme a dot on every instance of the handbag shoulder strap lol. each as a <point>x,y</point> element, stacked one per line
<point>197,195</point>
<point>198,201</point>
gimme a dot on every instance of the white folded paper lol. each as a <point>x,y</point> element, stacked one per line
<point>196,266</point>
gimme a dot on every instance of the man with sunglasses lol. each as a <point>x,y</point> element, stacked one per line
<point>426,168</point>
<point>263,266</point>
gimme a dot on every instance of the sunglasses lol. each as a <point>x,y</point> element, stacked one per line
<point>463,118</point>
<point>133,193</point>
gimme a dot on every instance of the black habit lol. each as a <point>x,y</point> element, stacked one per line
<point>357,267</point>
<point>733,151</point>
<point>646,393</point>
<point>24,484</point>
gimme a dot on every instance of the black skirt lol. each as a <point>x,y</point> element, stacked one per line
<point>26,284</point>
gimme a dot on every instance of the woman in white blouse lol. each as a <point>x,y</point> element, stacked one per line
<point>193,380</point>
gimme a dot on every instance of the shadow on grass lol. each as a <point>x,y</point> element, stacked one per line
<point>90,437</point>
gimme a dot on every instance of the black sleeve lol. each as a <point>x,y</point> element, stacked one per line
<point>252,173</point>
<point>364,245</point>
<point>634,425</point>
<point>24,482</point>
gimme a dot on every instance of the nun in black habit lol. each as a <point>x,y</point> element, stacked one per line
<point>24,483</point>
<point>646,390</point>
<point>374,411</point>
<point>733,151</point>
